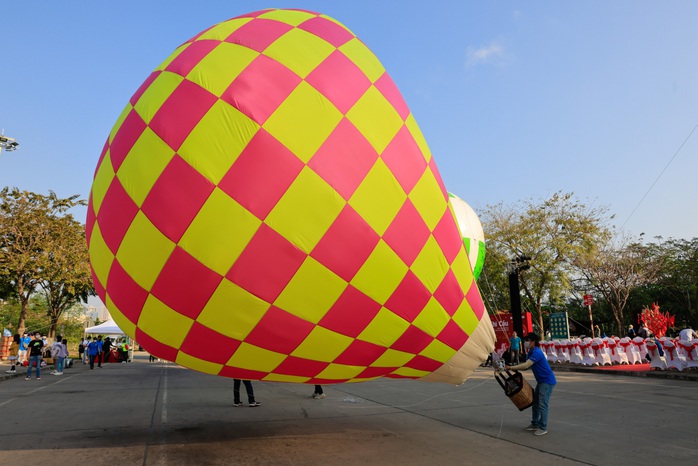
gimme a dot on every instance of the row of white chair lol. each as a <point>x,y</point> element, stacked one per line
<point>678,354</point>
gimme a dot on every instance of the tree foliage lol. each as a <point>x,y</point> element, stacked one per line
<point>553,232</point>
<point>28,226</point>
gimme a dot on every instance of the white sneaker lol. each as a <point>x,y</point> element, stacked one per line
<point>540,432</point>
<point>58,373</point>
<point>10,372</point>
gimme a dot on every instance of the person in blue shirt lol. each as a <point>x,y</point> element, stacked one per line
<point>514,349</point>
<point>545,382</point>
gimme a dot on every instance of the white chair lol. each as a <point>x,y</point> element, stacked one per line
<point>601,357</point>
<point>560,347</point>
<point>617,357</point>
<point>690,351</point>
<point>658,362</point>
<point>575,352</point>
<point>671,356</point>
<point>587,353</point>
<point>639,344</point>
<point>550,353</point>
<point>626,345</point>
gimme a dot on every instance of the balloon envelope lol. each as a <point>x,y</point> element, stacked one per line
<point>471,231</point>
<point>267,208</point>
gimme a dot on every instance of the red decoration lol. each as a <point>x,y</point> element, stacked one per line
<point>656,321</point>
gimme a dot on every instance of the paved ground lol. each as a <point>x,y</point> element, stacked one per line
<point>160,414</point>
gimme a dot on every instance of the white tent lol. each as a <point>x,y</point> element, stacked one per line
<point>106,328</point>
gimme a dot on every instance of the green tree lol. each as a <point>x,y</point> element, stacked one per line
<point>25,220</point>
<point>615,270</point>
<point>553,232</point>
<point>67,278</point>
<point>679,277</point>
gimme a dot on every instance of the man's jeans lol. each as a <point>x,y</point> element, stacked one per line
<point>32,360</point>
<point>541,397</point>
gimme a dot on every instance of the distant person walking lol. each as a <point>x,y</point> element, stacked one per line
<point>92,352</point>
<point>23,342</point>
<point>14,352</point>
<point>35,347</point>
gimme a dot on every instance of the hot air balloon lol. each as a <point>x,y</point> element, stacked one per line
<point>267,208</point>
<point>471,231</point>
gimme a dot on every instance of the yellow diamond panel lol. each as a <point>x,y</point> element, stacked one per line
<point>128,327</point>
<point>367,62</point>
<point>392,358</point>
<point>428,199</point>
<point>432,319</point>
<point>461,269</point>
<point>303,121</point>
<point>156,94</point>
<point>412,126</point>
<point>232,311</point>
<point>384,329</point>
<point>144,164</point>
<point>465,317</point>
<point>103,178</point>
<point>233,131</point>
<point>340,371</point>
<point>294,18</point>
<point>438,351</point>
<point>197,364</point>
<point>254,358</point>
<point>101,257</point>
<point>376,118</point>
<point>381,274</point>
<point>143,239</point>
<point>378,198</point>
<point>221,66</point>
<point>430,266</point>
<point>162,323</point>
<point>300,51</point>
<point>331,344</point>
<point>303,297</point>
<point>223,30</point>
<point>409,372</point>
<point>219,232</point>
<point>285,378</point>
<point>306,210</point>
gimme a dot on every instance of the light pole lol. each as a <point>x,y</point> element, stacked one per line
<point>516,265</point>
<point>8,143</point>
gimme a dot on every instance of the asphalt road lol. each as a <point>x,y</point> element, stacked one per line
<point>160,414</point>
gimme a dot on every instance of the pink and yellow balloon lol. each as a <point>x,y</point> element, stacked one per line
<point>267,208</point>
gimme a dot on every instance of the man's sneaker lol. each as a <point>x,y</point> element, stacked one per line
<point>58,373</point>
<point>540,432</point>
<point>27,378</point>
<point>531,427</point>
<point>254,404</point>
<point>10,371</point>
<point>38,378</point>
<point>237,404</point>
<point>319,396</point>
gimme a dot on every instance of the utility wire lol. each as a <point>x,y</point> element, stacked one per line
<point>660,175</point>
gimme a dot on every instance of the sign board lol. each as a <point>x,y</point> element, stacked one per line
<point>503,325</point>
<point>588,300</point>
<point>559,326</point>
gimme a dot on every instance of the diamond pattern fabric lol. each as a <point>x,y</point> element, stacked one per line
<point>266,208</point>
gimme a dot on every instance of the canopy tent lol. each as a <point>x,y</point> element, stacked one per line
<point>107,328</point>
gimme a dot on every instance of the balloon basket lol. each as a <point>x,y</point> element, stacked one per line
<point>516,388</point>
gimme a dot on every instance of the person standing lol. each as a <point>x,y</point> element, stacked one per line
<point>23,342</point>
<point>55,349</point>
<point>106,349</point>
<point>318,393</point>
<point>250,393</point>
<point>85,344</point>
<point>92,352</point>
<point>100,350</point>
<point>631,332</point>
<point>514,348</point>
<point>545,382</point>
<point>34,348</point>
<point>14,352</point>
<point>60,356</point>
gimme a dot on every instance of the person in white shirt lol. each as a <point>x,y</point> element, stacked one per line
<point>687,334</point>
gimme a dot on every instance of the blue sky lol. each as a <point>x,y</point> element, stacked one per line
<point>516,99</point>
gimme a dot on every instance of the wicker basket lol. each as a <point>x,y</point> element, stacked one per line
<point>516,388</point>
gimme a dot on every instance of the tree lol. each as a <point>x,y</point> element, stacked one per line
<point>24,232</point>
<point>67,278</point>
<point>553,232</point>
<point>614,271</point>
<point>679,275</point>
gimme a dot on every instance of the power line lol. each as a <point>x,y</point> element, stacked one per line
<point>660,175</point>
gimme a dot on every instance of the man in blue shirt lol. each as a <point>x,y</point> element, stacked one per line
<point>545,382</point>
<point>514,348</point>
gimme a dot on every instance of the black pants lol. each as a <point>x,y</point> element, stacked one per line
<point>248,388</point>
<point>318,389</point>
<point>92,358</point>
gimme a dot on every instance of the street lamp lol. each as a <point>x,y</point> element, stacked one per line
<point>8,143</point>
<point>516,265</point>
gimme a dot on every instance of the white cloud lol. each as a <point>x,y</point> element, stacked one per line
<point>487,54</point>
